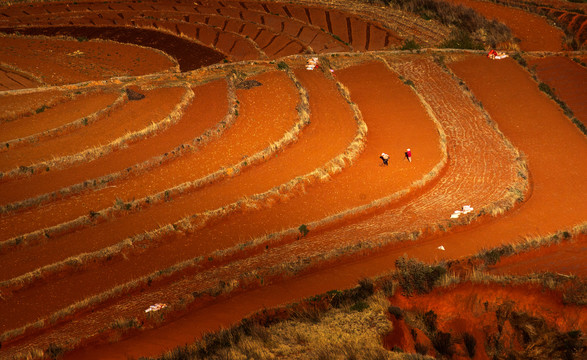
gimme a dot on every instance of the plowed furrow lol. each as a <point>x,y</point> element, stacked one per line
<point>381,134</point>
<point>10,80</point>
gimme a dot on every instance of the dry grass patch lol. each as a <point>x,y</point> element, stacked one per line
<point>352,330</point>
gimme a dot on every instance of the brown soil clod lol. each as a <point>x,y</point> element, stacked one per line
<point>134,95</point>
<point>247,84</point>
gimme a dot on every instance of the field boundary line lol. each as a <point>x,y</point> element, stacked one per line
<point>99,151</point>
<point>103,181</point>
<point>19,71</point>
<point>75,124</point>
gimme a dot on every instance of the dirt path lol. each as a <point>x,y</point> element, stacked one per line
<point>197,118</point>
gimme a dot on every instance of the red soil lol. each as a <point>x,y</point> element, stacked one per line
<point>56,116</point>
<point>403,107</point>
<point>14,106</point>
<point>472,308</point>
<point>226,33</point>
<point>12,80</point>
<point>479,171</point>
<point>534,31</point>
<point>157,104</point>
<point>58,61</point>
<point>197,118</point>
<point>567,258</point>
<point>557,195</point>
<point>244,136</point>
<point>538,127</point>
<point>567,79</point>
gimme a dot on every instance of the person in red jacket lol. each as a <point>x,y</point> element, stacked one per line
<point>409,155</point>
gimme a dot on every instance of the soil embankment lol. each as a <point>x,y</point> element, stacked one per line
<point>534,32</point>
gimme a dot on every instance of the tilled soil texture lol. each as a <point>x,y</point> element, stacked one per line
<point>16,106</point>
<point>237,140</point>
<point>198,118</point>
<point>388,128</point>
<point>238,30</point>
<point>64,61</point>
<point>188,54</point>
<point>285,196</point>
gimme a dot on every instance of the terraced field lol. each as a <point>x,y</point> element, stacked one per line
<point>180,152</point>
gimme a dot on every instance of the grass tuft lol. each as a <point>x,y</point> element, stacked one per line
<point>417,277</point>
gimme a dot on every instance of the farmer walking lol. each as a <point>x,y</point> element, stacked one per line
<point>409,155</point>
<point>385,158</point>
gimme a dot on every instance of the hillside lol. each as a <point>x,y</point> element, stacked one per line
<point>223,158</point>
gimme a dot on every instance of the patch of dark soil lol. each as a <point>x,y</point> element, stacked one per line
<point>133,95</point>
<point>247,84</point>
<point>189,55</point>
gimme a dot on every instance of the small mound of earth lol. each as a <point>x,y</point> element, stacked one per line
<point>133,95</point>
<point>247,84</point>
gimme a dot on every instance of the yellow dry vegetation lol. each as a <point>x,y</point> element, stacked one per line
<point>350,332</point>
